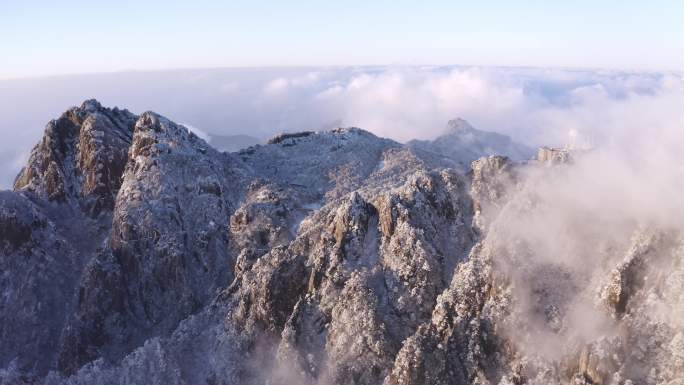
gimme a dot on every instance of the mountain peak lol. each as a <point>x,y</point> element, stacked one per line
<point>81,156</point>
<point>91,105</point>
<point>463,143</point>
<point>458,125</point>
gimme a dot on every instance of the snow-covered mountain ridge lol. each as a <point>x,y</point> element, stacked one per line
<point>132,252</point>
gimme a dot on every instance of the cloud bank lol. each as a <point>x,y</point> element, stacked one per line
<point>534,106</point>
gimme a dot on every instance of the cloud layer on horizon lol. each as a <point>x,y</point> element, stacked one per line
<point>534,106</point>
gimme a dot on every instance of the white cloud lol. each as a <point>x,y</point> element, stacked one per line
<point>277,85</point>
<point>229,88</point>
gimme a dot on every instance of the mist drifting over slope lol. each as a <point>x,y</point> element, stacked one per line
<point>534,106</point>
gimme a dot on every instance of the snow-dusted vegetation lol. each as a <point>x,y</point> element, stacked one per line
<point>133,252</point>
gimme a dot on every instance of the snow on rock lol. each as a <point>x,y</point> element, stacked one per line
<point>133,252</point>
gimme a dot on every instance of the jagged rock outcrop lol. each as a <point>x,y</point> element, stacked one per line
<point>363,271</point>
<point>168,251</point>
<point>52,224</point>
<point>458,344</point>
<point>133,252</point>
<point>493,178</point>
<point>554,155</point>
<point>81,157</point>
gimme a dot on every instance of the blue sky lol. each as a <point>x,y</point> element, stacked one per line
<point>44,37</point>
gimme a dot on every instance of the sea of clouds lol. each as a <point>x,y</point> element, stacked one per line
<point>556,107</point>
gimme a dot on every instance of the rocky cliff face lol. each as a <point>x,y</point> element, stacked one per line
<point>132,252</point>
<point>81,157</point>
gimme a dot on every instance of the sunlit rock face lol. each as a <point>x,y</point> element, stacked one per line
<point>133,252</point>
<point>554,155</point>
<point>81,157</point>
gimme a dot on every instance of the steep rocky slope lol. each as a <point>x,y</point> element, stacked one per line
<point>134,253</point>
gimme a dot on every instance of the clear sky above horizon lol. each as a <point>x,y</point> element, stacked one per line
<point>42,37</point>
